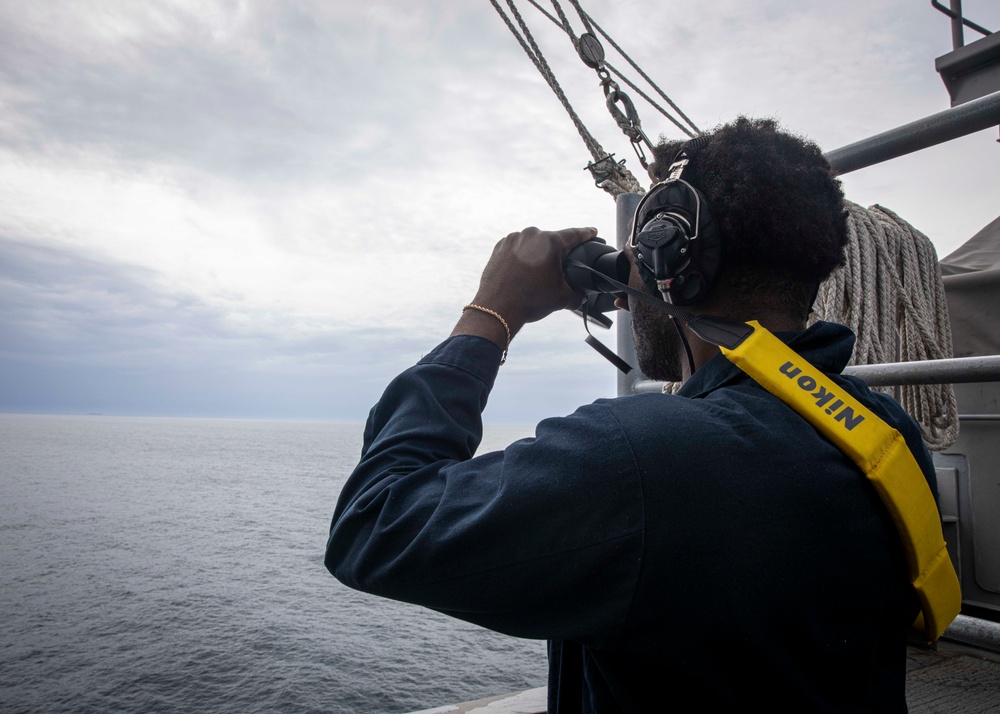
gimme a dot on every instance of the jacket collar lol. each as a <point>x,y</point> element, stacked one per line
<point>826,345</point>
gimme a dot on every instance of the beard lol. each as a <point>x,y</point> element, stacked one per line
<point>657,345</point>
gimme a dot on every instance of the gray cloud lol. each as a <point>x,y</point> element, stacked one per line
<point>79,334</point>
<point>289,93</point>
<point>313,187</point>
<point>82,335</point>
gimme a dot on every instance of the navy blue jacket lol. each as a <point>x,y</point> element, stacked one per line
<point>708,547</point>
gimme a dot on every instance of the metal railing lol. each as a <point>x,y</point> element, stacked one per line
<point>958,22</point>
<point>956,370</point>
<point>932,130</point>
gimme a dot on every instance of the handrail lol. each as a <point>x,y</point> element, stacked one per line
<point>932,130</point>
<point>957,20</point>
<point>955,370</point>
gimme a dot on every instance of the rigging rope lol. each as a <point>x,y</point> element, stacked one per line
<point>587,21</point>
<point>890,293</point>
<point>530,47</point>
<point>584,18</point>
<point>614,178</point>
<point>563,22</point>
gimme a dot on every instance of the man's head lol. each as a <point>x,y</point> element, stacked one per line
<point>781,218</point>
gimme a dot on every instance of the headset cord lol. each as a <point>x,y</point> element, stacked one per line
<point>684,341</point>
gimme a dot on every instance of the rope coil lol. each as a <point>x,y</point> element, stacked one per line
<point>890,293</point>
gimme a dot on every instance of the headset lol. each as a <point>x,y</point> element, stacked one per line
<point>674,235</point>
<point>674,239</point>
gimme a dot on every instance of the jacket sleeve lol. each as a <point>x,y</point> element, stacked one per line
<point>542,540</point>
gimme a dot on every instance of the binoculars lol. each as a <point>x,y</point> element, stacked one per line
<point>586,268</point>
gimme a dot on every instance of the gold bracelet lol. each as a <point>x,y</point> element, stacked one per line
<point>502,322</point>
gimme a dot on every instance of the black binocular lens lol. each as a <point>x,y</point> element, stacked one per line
<point>586,264</point>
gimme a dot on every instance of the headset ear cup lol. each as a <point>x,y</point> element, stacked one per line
<point>694,259</point>
<point>705,260</point>
<point>692,289</point>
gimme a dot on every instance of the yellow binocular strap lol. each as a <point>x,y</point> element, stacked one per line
<point>881,453</point>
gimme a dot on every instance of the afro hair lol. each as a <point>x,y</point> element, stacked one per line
<point>779,209</point>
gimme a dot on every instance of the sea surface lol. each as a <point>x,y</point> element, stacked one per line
<point>160,565</point>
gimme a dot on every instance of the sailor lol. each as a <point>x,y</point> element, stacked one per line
<point>709,546</point>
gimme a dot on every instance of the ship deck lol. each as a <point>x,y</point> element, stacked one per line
<point>950,678</point>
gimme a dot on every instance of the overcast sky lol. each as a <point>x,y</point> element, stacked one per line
<point>268,209</point>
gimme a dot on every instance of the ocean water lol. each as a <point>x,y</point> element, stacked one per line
<point>176,565</point>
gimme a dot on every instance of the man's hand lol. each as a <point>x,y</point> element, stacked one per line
<point>523,282</point>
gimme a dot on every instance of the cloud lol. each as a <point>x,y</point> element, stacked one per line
<point>280,161</point>
<point>271,92</point>
<point>164,86</point>
<point>260,194</point>
<point>81,334</point>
